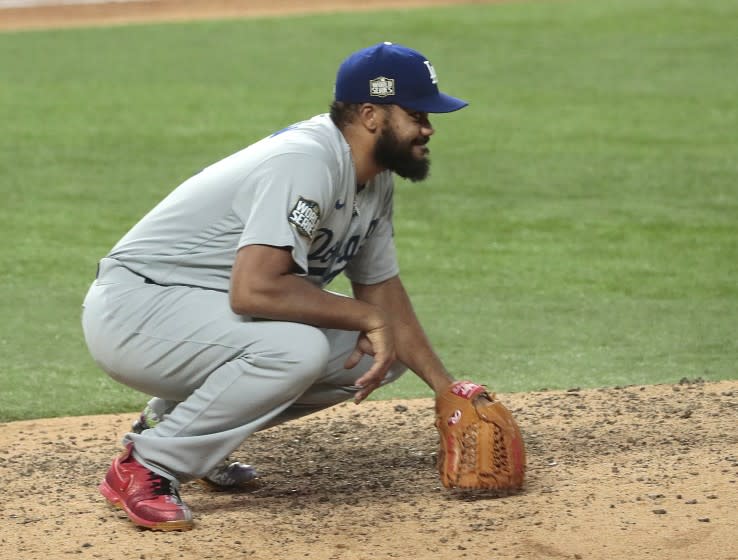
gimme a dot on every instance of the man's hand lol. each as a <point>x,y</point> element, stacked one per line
<point>413,349</point>
<point>378,343</point>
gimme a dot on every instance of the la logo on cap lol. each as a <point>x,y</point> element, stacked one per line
<point>432,72</point>
<point>381,87</point>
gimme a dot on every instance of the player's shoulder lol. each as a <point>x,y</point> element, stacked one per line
<point>317,135</point>
<point>312,144</point>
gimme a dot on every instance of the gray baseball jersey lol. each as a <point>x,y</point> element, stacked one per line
<point>296,188</point>
<point>218,375</point>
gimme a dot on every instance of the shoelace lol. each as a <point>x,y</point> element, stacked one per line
<point>162,486</point>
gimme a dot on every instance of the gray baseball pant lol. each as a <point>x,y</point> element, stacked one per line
<point>231,375</point>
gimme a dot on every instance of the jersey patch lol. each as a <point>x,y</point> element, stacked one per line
<point>305,217</point>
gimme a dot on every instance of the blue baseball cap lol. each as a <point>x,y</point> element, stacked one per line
<point>387,73</point>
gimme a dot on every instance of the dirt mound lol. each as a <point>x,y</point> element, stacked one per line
<point>640,472</point>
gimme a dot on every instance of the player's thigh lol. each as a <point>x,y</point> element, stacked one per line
<point>166,341</point>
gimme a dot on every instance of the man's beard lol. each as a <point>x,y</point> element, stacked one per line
<point>391,154</point>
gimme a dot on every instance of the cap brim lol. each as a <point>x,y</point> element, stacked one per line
<point>440,103</point>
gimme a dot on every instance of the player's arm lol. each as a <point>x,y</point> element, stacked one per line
<point>264,284</point>
<point>412,346</point>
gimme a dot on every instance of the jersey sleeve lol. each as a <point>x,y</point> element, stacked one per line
<point>283,202</point>
<point>376,261</point>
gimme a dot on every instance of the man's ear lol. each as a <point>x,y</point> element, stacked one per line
<point>371,117</point>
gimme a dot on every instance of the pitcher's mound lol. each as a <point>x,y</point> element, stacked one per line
<point>636,472</point>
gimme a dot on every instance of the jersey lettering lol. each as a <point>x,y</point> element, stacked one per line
<point>330,258</point>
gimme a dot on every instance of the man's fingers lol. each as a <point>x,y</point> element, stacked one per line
<point>353,359</point>
<point>363,348</point>
<point>379,344</point>
<point>372,379</point>
<point>364,393</point>
<point>366,390</point>
<point>375,374</point>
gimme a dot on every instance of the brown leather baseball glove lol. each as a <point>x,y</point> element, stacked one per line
<point>481,445</point>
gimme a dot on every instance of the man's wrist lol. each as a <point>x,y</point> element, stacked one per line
<point>376,318</point>
<point>440,382</point>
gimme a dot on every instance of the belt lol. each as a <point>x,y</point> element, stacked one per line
<point>127,270</point>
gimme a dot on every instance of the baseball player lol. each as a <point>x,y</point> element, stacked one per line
<point>215,302</point>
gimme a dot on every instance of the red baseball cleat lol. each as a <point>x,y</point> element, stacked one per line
<point>149,499</point>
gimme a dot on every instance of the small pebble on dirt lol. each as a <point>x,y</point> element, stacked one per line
<point>659,511</point>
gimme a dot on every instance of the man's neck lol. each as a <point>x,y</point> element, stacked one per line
<point>362,147</point>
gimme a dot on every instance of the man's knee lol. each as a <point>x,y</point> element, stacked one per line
<point>310,351</point>
<point>301,350</point>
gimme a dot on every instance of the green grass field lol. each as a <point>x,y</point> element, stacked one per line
<point>580,227</point>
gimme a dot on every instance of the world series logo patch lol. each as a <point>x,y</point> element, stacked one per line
<point>381,87</point>
<point>305,217</point>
